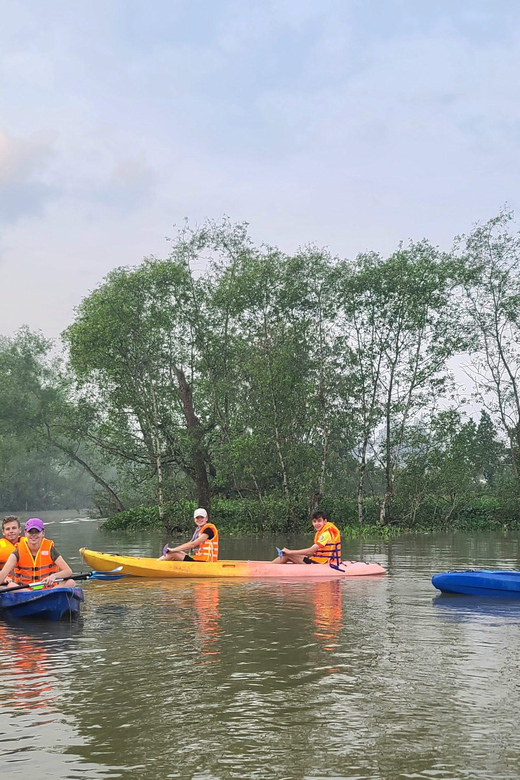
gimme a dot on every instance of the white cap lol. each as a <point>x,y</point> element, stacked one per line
<point>200,513</point>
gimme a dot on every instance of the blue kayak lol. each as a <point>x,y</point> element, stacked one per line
<point>480,582</point>
<point>46,604</point>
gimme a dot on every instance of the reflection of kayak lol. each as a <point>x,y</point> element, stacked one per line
<point>48,603</point>
<point>462,608</point>
<point>150,567</point>
<point>483,582</point>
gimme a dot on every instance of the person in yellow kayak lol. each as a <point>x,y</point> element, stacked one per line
<point>36,559</point>
<point>204,542</point>
<point>326,547</point>
<point>11,532</point>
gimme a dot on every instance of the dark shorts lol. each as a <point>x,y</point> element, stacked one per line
<point>308,560</point>
<point>188,558</point>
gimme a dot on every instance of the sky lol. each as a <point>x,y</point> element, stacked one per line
<point>349,124</point>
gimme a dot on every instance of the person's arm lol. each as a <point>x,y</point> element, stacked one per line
<point>7,568</point>
<point>307,551</point>
<point>64,572</point>
<point>324,539</point>
<point>189,545</point>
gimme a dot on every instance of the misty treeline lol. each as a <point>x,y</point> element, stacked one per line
<point>234,374</point>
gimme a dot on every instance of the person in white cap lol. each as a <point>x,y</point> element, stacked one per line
<point>204,542</point>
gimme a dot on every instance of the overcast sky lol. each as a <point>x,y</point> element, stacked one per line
<point>351,124</point>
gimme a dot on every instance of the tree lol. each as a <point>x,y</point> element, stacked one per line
<point>400,328</point>
<point>132,346</point>
<point>284,408</point>
<point>490,262</point>
<point>36,405</point>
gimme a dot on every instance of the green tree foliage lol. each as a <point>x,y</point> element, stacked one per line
<point>233,371</point>
<point>400,328</point>
<point>447,463</point>
<point>490,261</point>
<point>134,346</point>
<point>36,407</point>
<point>35,479</point>
<point>283,369</point>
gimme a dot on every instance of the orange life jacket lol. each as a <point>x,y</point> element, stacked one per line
<point>208,550</point>
<point>6,548</point>
<point>329,553</point>
<point>33,569</point>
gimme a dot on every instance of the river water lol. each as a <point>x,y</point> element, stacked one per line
<point>380,678</point>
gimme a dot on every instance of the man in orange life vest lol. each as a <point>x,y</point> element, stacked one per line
<point>11,532</point>
<point>35,559</point>
<point>325,549</point>
<point>204,542</point>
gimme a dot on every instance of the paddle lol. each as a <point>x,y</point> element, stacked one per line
<point>90,575</point>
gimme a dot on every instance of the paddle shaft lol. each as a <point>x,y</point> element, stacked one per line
<point>90,575</point>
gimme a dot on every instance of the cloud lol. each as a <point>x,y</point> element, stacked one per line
<point>347,124</point>
<point>23,190</point>
<point>126,184</point>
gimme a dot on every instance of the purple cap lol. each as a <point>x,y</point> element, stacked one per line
<point>36,523</point>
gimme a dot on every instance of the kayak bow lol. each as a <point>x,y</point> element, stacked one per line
<point>480,582</point>
<point>47,604</point>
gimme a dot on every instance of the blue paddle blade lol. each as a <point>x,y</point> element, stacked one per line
<point>109,571</point>
<point>104,575</point>
<point>100,575</point>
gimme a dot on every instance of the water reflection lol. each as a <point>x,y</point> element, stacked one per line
<point>461,607</point>
<point>293,680</point>
<point>34,683</point>
<point>29,683</point>
<point>207,616</point>
<point>328,612</point>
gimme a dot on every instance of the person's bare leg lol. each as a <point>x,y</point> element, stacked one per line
<point>172,556</point>
<point>289,558</point>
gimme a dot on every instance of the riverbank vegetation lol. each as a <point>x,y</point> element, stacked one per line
<point>270,383</point>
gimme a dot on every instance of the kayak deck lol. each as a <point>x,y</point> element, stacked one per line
<point>151,567</point>
<point>482,582</point>
<point>47,603</point>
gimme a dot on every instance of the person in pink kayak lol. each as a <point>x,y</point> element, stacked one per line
<point>326,547</point>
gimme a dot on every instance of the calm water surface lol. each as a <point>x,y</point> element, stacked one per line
<point>375,679</point>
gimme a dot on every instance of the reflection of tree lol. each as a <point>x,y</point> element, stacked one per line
<point>328,612</point>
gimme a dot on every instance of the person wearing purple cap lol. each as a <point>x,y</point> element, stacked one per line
<point>36,559</point>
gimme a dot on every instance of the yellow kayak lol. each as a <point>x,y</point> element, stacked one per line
<point>151,567</point>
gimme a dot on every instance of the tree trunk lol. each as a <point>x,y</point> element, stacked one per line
<point>195,431</point>
<point>360,494</point>
<point>384,505</point>
<point>158,458</point>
